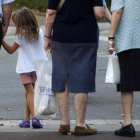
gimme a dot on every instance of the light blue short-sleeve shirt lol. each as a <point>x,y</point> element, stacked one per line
<point>128,32</point>
<point>104,4</point>
<point>2,2</point>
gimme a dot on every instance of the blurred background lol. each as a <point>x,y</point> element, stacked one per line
<point>39,6</point>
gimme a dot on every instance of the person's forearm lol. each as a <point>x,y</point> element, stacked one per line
<point>116,16</point>
<point>7,10</point>
<point>107,15</point>
<point>6,47</point>
<point>50,17</point>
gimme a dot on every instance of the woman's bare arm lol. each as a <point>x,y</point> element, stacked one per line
<point>50,17</point>
<point>7,10</point>
<point>99,12</point>
<point>107,15</point>
<point>116,16</point>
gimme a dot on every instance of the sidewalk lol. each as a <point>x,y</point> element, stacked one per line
<point>53,125</point>
<point>11,131</point>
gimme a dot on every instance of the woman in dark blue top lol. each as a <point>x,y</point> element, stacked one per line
<point>73,46</point>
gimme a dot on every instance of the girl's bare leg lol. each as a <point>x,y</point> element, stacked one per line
<point>27,110</point>
<point>30,98</point>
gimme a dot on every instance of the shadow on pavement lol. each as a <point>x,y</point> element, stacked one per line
<point>57,136</point>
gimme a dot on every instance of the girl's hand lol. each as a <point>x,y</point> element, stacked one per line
<point>111,47</point>
<point>47,45</point>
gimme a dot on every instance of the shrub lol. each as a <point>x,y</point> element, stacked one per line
<point>39,5</point>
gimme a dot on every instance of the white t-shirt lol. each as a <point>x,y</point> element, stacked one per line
<point>28,52</point>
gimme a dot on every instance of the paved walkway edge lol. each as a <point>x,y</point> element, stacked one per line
<point>53,125</point>
<point>56,122</point>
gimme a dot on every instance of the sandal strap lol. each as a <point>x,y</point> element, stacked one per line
<point>24,122</point>
<point>87,126</point>
<point>34,118</point>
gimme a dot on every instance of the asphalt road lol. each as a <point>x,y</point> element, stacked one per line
<point>105,103</point>
<point>57,136</point>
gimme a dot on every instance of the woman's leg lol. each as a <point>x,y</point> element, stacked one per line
<point>127,102</point>
<point>30,98</point>
<point>80,100</point>
<point>27,110</point>
<point>63,102</point>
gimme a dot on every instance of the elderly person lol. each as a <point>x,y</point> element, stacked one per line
<point>5,14</point>
<point>74,49</point>
<point>125,33</point>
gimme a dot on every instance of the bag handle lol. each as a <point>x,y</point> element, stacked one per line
<point>60,4</point>
<point>115,54</point>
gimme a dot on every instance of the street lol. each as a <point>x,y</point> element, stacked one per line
<point>103,110</point>
<point>105,103</point>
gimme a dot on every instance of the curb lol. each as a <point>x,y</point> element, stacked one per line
<point>102,26</point>
<point>53,125</point>
<point>72,122</point>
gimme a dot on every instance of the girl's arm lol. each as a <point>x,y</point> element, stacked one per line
<point>107,15</point>
<point>8,48</point>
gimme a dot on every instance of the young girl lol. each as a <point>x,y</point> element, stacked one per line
<point>30,45</point>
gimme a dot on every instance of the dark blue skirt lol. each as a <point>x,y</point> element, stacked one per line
<point>0,34</point>
<point>130,70</point>
<point>77,62</point>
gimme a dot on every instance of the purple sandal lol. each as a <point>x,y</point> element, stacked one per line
<point>36,124</point>
<point>24,124</point>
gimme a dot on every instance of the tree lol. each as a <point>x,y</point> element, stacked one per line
<point>108,3</point>
<point>40,5</point>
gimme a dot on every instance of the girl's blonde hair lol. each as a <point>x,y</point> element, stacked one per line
<point>26,25</point>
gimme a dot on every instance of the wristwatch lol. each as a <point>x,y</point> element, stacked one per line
<point>49,37</point>
<point>111,38</point>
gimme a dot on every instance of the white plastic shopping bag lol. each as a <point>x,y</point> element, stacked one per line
<point>113,70</point>
<point>44,98</point>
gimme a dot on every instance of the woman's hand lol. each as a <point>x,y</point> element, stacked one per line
<point>111,47</point>
<point>47,45</point>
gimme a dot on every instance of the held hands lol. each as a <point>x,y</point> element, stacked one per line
<point>47,45</point>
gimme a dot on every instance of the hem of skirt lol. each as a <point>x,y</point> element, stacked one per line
<point>127,90</point>
<point>73,91</point>
<point>126,49</point>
